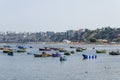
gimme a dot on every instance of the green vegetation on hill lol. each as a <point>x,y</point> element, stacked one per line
<point>81,35</point>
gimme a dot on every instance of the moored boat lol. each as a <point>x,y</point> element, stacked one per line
<point>72,52</point>
<point>31,47</point>
<point>62,50</point>
<point>7,46</point>
<point>72,47</point>
<point>55,49</point>
<point>63,58</point>
<point>7,50</point>
<point>56,54</point>
<point>21,50</point>
<point>84,48</point>
<point>85,56</point>
<point>114,53</point>
<point>30,53</point>
<point>100,51</point>
<point>10,54</point>
<point>79,50</point>
<point>2,48</point>
<point>37,55</point>
<point>67,53</point>
<point>44,49</point>
<point>44,54</point>
<point>21,47</point>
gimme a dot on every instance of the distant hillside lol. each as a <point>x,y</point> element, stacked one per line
<point>81,35</point>
<point>111,34</point>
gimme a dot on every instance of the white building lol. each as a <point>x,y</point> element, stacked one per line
<point>66,41</point>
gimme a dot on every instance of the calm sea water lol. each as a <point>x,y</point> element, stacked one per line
<point>25,67</point>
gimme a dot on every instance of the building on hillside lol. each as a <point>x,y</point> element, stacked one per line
<point>66,41</point>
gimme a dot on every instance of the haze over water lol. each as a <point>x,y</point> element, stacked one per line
<point>58,15</point>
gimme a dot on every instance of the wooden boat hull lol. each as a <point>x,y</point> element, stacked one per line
<point>43,55</point>
<point>67,53</point>
<point>100,51</point>
<point>40,49</point>
<point>21,50</point>
<point>114,53</point>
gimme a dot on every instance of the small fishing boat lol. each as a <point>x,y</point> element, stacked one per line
<point>37,55</point>
<point>72,52</point>
<point>44,49</point>
<point>7,46</point>
<point>100,51</point>
<point>21,47</point>
<point>67,53</point>
<point>21,50</point>
<point>79,50</point>
<point>62,50</point>
<point>44,54</point>
<point>2,48</point>
<point>89,56</point>
<point>10,53</point>
<point>55,49</point>
<point>5,50</point>
<point>63,58</point>
<point>72,47</point>
<point>31,47</point>
<point>114,53</point>
<point>30,53</point>
<point>83,48</point>
<point>56,54</point>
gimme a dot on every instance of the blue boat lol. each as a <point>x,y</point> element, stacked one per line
<point>21,47</point>
<point>56,54</point>
<point>63,58</point>
<point>10,54</point>
<point>89,56</point>
<point>30,53</point>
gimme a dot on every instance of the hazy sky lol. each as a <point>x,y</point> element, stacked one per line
<point>58,15</point>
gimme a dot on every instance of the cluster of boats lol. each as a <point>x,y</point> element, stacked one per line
<point>57,52</point>
<point>10,51</point>
<point>110,53</point>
